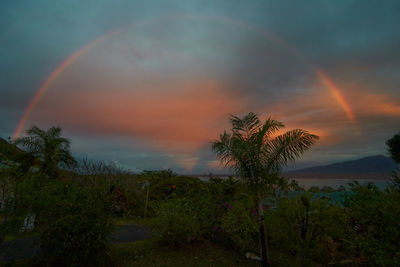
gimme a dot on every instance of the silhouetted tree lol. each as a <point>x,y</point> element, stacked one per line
<point>49,147</point>
<point>394,147</point>
<point>257,156</point>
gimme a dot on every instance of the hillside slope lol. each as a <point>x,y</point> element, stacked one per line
<point>373,167</point>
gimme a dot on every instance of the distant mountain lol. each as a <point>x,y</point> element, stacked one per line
<point>373,167</point>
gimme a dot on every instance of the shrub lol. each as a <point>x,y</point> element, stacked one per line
<point>79,239</point>
<point>119,189</point>
<point>76,226</point>
<point>375,217</point>
<point>182,220</point>
<point>307,231</point>
<point>178,186</point>
<point>240,224</point>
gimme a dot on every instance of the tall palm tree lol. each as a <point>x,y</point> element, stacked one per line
<point>49,147</point>
<point>257,153</point>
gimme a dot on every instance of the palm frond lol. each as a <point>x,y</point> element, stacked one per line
<point>48,146</point>
<point>223,149</point>
<point>251,151</point>
<point>287,147</point>
<point>246,126</point>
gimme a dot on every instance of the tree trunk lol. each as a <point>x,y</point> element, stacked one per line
<point>263,233</point>
<point>147,201</point>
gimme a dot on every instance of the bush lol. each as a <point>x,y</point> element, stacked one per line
<point>79,239</point>
<point>240,224</point>
<point>375,217</point>
<point>122,190</point>
<point>182,220</point>
<point>179,186</point>
<point>307,231</point>
<point>75,224</point>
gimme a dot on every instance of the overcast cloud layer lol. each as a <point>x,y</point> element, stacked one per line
<point>156,93</point>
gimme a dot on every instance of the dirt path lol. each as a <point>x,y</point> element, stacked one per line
<point>28,247</point>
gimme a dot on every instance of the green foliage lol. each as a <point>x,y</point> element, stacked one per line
<point>222,193</point>
<point>76,224</point>
<point>13,161</point>
<point>306,231</point>
<point>17,203</point>
<point>254,153</point>
<point>182,220</point>
<point>240,224</point>
<point>49,147</point>
<point>394,147</point>
<point>257,152</point>
<point>80,239</point>
<point>156,176</point>
<point>194,210</point>
<point>178,186</point>
<point>120,189</point>
<point>217,210</point>
<point>74,213</point>
<point>376,220</point>
<point>394,183</point>
<point>314,189</point>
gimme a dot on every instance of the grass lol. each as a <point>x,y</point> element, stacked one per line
<point>149,253</point>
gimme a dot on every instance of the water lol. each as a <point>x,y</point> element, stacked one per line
<point>334,197</point>
<point>336,183</point>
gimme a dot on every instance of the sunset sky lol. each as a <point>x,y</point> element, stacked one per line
<point>150,84</point>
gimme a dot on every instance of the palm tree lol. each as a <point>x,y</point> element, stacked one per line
<point>257,153</point>
<point>49,147</point>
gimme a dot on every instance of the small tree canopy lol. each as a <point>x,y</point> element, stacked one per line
<point>49,147</point>
<point>256,150</point>
<point>394,147</point>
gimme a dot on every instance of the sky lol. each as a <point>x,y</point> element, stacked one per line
<point>150,84</point>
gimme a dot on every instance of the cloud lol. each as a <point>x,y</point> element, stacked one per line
<point>166,87</point>
<point>182,117</point>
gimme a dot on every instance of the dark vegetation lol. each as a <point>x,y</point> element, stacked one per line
<point>394,147</point>
<point>73,205</point>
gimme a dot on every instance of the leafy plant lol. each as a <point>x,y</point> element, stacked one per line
<point>49,147</point>
<point>394,147</point>
<point>306,231</point>
<point>375,217</point>
<point>78,228</point>
<point>240,224</point>
<point>182,220</point>
<point>257,155</point>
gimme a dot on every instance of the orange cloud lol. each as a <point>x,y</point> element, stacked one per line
<point>181,116</point>
<point>377,104</point>
<point>317,111</point>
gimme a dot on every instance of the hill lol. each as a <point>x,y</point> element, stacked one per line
<point>373,167</point>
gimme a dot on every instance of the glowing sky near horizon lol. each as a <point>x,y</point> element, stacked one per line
<point>149,85</point>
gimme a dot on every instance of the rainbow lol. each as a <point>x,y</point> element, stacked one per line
<point>323,77</point>
<point>56,73</point>
<point>337,94</point>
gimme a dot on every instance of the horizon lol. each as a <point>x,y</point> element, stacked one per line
<point>149,86</point>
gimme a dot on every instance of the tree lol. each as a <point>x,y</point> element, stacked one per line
<point>394,147</point>
<point>49,147</point>
<point>253,151</point>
